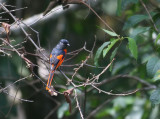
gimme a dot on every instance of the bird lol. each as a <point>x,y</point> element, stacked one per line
<point>56,59</point>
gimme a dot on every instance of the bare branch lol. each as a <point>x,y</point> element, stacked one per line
<point>78,106</point>
<point>1,90</point>
<point>120,94</point>
<point>155,27</point>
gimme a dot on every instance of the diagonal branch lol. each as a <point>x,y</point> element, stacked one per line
<point>155,27</point>
<point>78,106</point>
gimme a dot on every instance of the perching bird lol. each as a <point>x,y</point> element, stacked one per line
<point>56,58</point>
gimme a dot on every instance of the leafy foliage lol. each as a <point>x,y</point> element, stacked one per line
<point>153,65</point>
<point>133,20</point>
<point>106,50</point>
<point>133,47</point>
<point>110,32</point>
<point>112,56</point>
<point>139,30</point>
<point>99,51</point>
<point>155,97</point>
<point>157,76</point>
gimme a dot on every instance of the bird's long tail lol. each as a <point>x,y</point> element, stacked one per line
<point>49,82</point>
<point>50,88</point>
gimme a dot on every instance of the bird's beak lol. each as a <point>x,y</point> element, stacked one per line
<point>68,44</point>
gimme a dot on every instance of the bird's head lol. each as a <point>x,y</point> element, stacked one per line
<point>63,43</point>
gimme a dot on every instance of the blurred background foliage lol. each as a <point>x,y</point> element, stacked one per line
<point>79,25</point>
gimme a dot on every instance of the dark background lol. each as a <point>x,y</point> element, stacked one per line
<point>79,24</point>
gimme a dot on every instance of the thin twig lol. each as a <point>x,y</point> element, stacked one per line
<point>78,106</point>
<point>120,94</point>
<point>21,99</point>
<point>99,17</point>
<point>1,90</point>
<point>14,10</point>
<point>104,70</point>
<point>24,31</point>
<point>122,76</point>
<point>149,15</point>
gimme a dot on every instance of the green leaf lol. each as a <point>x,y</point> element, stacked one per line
<point>139,30</point>
<point>133,20</point>
<point>146,57</point>
<point>158,38</point>
<point>99,51</point>
<point>109,32</point>
<point>155,97</point>
<point>106,50</point>
<point>133,47</point>
<point>112,56</point>
<point>153,65</point>
<point>157,76</point>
